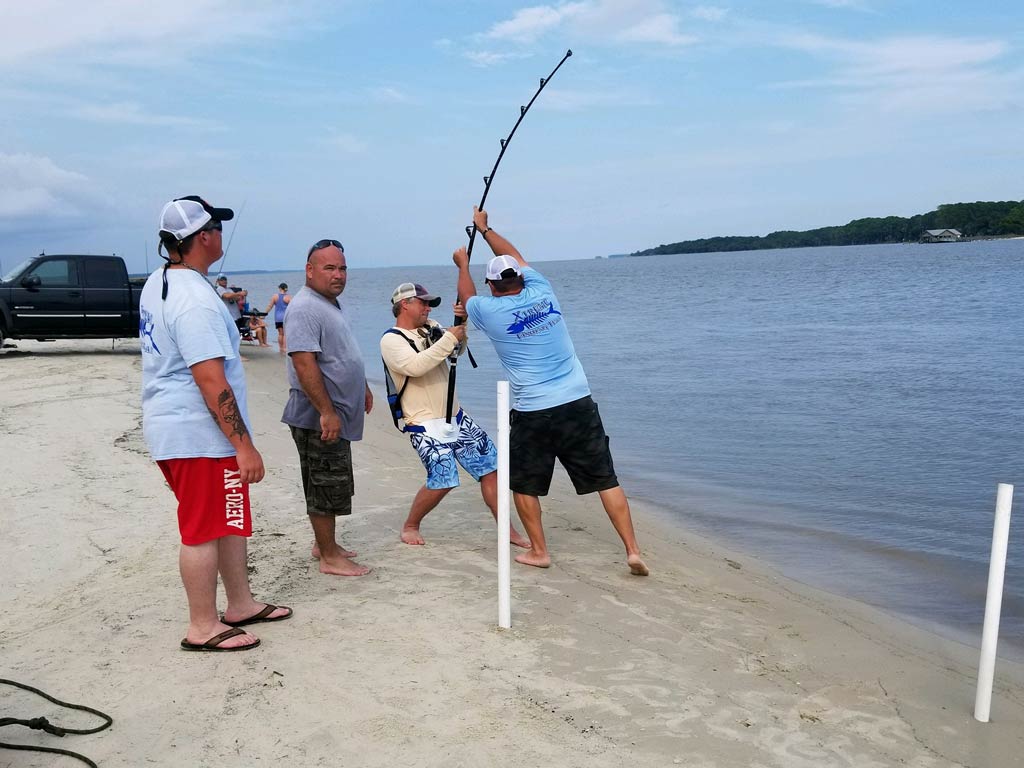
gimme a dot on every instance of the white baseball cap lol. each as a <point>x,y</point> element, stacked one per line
<point>414,291</point>
<point>497,267</point>
<point>185,216</point>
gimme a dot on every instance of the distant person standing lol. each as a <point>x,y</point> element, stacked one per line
<point>279,303</point>
<point>416,352</point>
<point>196,424</point>
<point>233,298</point>
<point>553,415</point>
<point>327,400</point>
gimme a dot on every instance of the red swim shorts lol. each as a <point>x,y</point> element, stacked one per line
<point>212,499</point>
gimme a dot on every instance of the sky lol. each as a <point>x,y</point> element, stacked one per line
<point>375,122</point>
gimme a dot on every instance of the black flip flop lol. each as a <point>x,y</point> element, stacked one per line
<point>213,644</point>
<point>262,616</point>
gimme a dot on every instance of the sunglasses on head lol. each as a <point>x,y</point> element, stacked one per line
<point>324,244</point>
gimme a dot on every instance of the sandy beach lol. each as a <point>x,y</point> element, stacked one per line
<point>714,661</point>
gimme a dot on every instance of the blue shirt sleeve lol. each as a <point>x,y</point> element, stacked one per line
<point>202,335</point>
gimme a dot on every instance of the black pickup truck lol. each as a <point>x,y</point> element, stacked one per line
<point>69,297</point>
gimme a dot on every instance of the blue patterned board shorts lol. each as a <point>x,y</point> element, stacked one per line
<point>473,450</point>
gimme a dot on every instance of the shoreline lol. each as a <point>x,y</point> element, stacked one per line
<point>714,660</point>
<point>969,638</point>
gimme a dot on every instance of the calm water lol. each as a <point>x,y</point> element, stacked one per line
<point>842,413</point>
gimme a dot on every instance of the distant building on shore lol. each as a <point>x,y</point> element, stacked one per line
<point>940,236</point>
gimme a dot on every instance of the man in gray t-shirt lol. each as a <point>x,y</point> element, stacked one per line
<point>327,399</point>
<point>231,297</point>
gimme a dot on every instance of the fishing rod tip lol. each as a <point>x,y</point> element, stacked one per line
<point>569,52</point>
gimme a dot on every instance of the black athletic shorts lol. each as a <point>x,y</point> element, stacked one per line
<point>326,469</point>
<point>573,434</point>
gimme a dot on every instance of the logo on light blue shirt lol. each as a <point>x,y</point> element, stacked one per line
<point>537,318</point>
<point>146,326</point>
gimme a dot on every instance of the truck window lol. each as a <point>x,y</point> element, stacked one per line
<point>17,270</point>
<point>104,273</point>
<point>56,273</point>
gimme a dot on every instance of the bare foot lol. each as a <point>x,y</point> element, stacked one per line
<point>342,566</point>
<point>538,561</point>
<point>412,536</point>
<point>264,345</point>
<point>637,566</point>
<point>341,551</point>
<point>518,539</point>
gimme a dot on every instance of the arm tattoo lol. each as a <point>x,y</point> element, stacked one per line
<point>229,413</point>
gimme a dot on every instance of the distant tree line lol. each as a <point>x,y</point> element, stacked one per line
<point>971,219</point>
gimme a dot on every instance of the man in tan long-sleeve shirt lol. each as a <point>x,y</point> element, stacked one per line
<point>415,352</point>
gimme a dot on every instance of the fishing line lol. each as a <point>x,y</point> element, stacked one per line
<point>231,237</point>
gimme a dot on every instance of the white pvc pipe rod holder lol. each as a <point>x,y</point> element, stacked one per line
<point>993,603</point>
<point>504,512</point>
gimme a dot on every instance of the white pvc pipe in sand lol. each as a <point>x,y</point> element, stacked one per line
<point>993,603</point>
<point>504,513</point>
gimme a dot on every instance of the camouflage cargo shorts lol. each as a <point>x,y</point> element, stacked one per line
<point>326,473</point>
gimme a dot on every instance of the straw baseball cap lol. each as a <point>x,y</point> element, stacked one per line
<point>185,216</point>
<point>414,291</point>
<point>499,265</point>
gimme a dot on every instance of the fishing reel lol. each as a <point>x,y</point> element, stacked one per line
<point>432,333</point>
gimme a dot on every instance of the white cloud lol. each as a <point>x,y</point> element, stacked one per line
<point>490,58</point>
<point>897,55</point>
<point>108,29</point>
<point>913,73</point>
<point>660,28</point>
<point>388,95</point>
<point>928,55</point>
<point>857,5</point>
<point>530,23</point>
<point>569,100</point>
<point>130,113</point>
<point>607,21</point>
<point>346,142</point>
<point>709,13</point>
<point>36,193</point>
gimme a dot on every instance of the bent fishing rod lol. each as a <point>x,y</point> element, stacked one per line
<point>471,229</point>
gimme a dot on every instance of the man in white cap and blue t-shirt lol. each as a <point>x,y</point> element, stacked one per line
<point>553,415</point>
<point>196,424</point>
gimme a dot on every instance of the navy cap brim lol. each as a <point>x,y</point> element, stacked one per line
<point>220,214</point>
